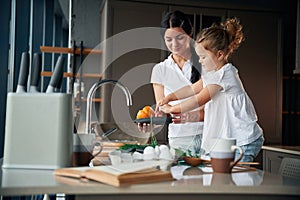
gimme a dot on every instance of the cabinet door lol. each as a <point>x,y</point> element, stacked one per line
<point>259,61</point>
<point>135,63</point>
<point>272,160</point>
<point>201,17</point>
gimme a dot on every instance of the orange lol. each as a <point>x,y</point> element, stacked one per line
<point>149,111</point>
<point>142,114</point>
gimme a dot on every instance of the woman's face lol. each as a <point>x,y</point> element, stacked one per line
<point>208,60</point>
<point>177,41</point>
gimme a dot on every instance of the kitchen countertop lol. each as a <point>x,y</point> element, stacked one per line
<point>283,149</point>
<point>256,184</point>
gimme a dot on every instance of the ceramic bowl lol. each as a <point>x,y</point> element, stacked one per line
<point>192,161</point>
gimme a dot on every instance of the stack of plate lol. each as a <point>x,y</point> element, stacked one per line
<point>109,146</point>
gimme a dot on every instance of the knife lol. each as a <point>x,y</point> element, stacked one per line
<point>23,74</point>
<point>35,72</point>
<point>58,71</point>
<point>59,83</point>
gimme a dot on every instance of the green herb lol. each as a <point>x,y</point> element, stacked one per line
<point>179,153</point>
<point>153,138</point>
<point>134,146</point>
<point>188,153</point>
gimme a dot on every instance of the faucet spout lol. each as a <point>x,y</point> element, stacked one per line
<point>91,94</point>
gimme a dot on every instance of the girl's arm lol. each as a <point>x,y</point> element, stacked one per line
<point>184,92</point>
<point>205,95</point>
<point>193,116</point>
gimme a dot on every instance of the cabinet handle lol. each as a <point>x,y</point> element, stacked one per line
<point>280,157</point>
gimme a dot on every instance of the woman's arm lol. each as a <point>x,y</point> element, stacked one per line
<point>158,91</point>
<point>159,95</point>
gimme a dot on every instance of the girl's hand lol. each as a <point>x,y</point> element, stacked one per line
<point>166,108</point>
<point>163,101</point>
<point>193,116</point>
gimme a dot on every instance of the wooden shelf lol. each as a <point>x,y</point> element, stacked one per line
<point>96,100</point>
<point>70,75</point>
<point>286,112</point>
<point>85,51</point>
<point>78,51</point>
<point>287,78</point>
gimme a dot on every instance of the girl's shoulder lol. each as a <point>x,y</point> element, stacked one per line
<point>229,67</point>
<point>223,75</point>
<point>227,71</point>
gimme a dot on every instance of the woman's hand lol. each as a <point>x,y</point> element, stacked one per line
<point>144,127</point>
<point>147,129</point>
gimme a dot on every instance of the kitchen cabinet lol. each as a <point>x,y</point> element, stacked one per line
<point>273,155</point>
<point>259,59</point>
<point>115,20</point>
<point>201,17</point>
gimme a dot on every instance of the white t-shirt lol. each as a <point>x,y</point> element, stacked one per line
<point>168,74</point>
<point>230,114</point>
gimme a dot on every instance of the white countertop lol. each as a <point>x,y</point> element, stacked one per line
<point>283,149</point>
<point>28,182</point>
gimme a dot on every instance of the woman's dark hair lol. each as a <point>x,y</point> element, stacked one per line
<point>179,19</point>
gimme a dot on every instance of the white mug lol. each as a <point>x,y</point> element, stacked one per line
<point>222,154</point>
<point>225,145</point>
<point>115,157</point>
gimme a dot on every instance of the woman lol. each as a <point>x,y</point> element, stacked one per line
<point>180,69</point>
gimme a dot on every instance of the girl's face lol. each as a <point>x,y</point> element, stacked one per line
<point>209,61</point>
<point>177,41</point>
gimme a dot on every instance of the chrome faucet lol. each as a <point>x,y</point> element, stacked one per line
<point>92,92</point>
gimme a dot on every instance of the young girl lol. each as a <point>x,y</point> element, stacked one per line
<point>229,112</point>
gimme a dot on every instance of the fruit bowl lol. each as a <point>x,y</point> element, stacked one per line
<point>155,120</point>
